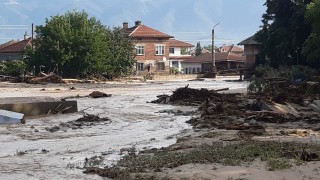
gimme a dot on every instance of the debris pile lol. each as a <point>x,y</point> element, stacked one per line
<point>279,103</point>
<point>87,120</point>
<point>52,78</point>
<point>187,96</point>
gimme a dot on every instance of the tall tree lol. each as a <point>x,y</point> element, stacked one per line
<point>312,45</point>
<point>73,43</point>
<point>198,49</point>
<point>122,53</point>
<point>284,32</point>
<point>76,45</point>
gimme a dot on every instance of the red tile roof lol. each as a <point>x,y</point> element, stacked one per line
<point>177,43</point>
<point>180,57</point>
<point>230,48</point>
<point>219,56</point>
<point>17,47</point>
<point>145,31</point>
<point>7,43</point>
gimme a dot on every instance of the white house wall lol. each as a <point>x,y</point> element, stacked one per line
<point>190,67</point>
<point>177,52</point>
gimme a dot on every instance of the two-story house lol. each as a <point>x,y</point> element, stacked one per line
<point>156,52</point>
<point>251,51</point>
<point>179,51</point>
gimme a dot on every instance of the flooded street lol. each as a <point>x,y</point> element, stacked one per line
<point>29,151</point>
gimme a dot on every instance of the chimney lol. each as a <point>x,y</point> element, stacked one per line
<point>138,23</point>
<point>125,25</point>
<point>26,36</point>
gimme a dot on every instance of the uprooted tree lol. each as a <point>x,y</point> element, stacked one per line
<point>76,45</point>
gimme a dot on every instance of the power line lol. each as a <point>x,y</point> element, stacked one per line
<point>13,28</point>
<point>13,25</point>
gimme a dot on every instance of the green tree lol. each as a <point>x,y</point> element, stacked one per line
<point>311,47</point>
<point>284,32</point>
<point>75,45</point>
<point>198,49</point>
<point>72,44</point>
<point>122,54</point>
<point>209,47</point>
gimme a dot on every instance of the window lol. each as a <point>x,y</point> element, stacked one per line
<point>171,50</point>
<point>186,70</point>
<point>175,64</point>
<point>140,66</point>
<point>160,66</point>
<point>140,50</point>
<point>184,51</point>
<point>159,50</point>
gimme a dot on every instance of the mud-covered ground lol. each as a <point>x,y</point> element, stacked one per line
<point>30,151</point>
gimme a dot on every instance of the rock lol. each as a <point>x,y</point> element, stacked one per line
<point>53,129</point>
<point>314,107</point>
<point>317,102</point>
<point>252,122</point>
<point>98,94</point>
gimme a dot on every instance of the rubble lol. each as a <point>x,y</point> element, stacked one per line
<point>86,121</point>
<point>52,78</point>
<point>187,96</point>
<point>280,102</point>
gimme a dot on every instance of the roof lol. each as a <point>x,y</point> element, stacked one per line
<point>219,56</point>
<point>16,47</point>
<point>180,57</point>
<point>249,41</point>
<point>140,31</point>
<point>7,43</point>
<point>177,43</point>
<point>230,48</point>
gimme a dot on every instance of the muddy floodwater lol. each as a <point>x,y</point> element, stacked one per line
<point>29,151</point>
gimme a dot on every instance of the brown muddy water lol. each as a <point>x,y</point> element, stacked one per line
<point>29,151</point>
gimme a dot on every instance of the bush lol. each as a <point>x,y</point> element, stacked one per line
<point>12,68</point>
<point>175,70</point>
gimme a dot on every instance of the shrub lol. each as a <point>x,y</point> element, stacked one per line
<point>12,68</point>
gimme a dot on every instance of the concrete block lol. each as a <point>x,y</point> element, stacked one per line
<point>41,108</point>
<point>9,117</point>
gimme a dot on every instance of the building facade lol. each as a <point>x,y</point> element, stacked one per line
<point>251,50</point>
<point>156,52</point>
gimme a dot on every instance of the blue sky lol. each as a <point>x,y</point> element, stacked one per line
<point>187,20</point>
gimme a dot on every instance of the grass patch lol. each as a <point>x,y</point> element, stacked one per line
<point>278,164</point>
<point>278,155</point>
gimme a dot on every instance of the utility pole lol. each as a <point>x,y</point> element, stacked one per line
<point>214,69</point>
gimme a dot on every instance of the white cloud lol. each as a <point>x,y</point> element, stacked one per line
<point>12,2</point>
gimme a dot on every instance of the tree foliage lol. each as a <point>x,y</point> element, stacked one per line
<point>312,45</point>
<point>122,54</point>
<point>12,68</point>
<point>75,44</point>
<point>284,32</point>
<point>198,49</point>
